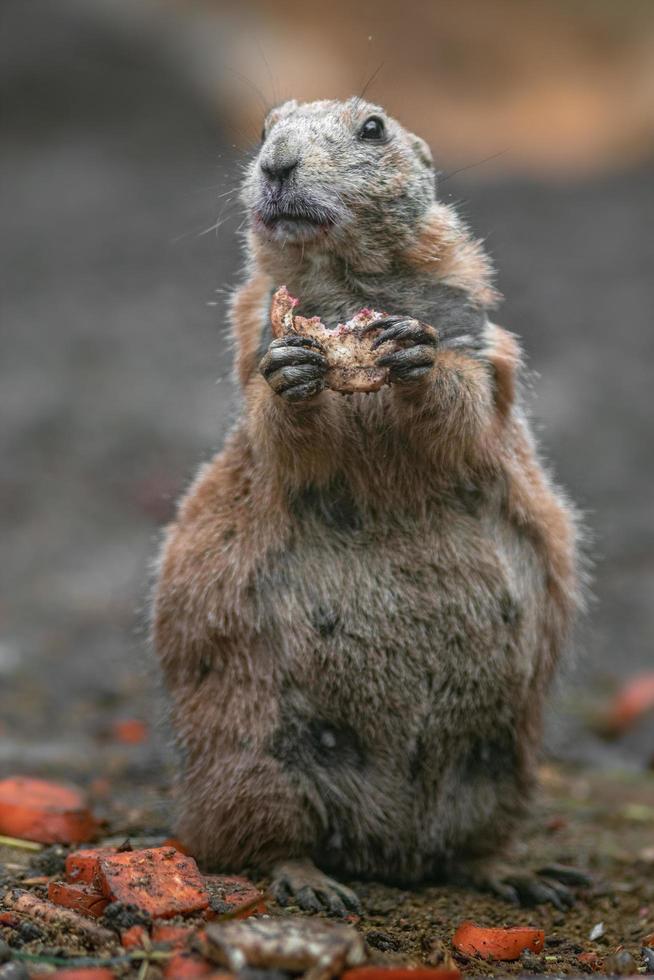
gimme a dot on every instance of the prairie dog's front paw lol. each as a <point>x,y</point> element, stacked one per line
<point>295,367</point>
<point>414,347</point>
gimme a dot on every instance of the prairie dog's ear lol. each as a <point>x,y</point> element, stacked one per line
<point>279,111</point>
<point>422,151</point>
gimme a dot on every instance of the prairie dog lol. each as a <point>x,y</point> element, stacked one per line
<point>362,599</point>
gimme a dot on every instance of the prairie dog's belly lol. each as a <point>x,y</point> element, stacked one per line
<point>398,628</point>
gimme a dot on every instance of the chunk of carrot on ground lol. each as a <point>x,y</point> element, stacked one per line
<point>634,699</point>
<point>81,898</point>
<point>497,944</point>
<point>591,960</point>
<point>159,880</point>
<point>100,787</point>
<point>135,937</point>
<point>82,866</point>
<point>50,813</point>
<point>401,973</point>
<point>187,966</point>
<point>129,731</point>
<point>82,973</point>
<point>231,894</point>
<point>171,935</point>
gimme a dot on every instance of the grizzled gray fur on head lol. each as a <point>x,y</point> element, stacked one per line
<point>334,173</point>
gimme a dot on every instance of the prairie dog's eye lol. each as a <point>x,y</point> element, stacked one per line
<point>373,129</point>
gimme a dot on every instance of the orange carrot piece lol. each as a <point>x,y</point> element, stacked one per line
<point>401,973</point>
<point>82,973</point>
<point>171,935</point>
<point>233,893</point>
<point>158,880</point>
<point>497,944</point>
<point>634,699</point>
<point>82,866</point>
<point>80,898</point>
<point>100,787</point>
<point>33,809</point>
<point>591,960</point>
<point>187,966</point>
<point>130,731</point>
<point>134,938</point>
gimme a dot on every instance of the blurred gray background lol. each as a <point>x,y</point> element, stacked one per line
<point>124,127</point>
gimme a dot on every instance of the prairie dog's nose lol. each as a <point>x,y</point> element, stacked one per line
<point>279,163</point>
<point>276,172</point>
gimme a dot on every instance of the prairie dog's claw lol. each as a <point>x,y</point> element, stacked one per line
<point>301,883</point>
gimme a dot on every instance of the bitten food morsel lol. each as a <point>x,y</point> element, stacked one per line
<point>348,347</point>
<point>361,601</point>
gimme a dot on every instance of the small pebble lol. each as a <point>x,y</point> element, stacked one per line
<point>217,905</point>
<point>5,952</point>
<point>120,915</point>
<point>648,958</point>
<point>28,932</point>
<point>621,964</point>
<point>14,971</point>
<point>596,932</point>
<point>382,941</point>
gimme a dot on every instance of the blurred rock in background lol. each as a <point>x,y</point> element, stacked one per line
<point>125,124</point>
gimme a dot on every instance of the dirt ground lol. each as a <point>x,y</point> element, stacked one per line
<point>576,822</point>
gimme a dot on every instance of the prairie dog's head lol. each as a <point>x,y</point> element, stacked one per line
<point>330,173</point>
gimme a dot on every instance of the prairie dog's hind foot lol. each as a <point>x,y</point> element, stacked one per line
<point>302,883</point>
<point>552,884</point>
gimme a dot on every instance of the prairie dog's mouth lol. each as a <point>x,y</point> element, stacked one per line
<point>294,219</point>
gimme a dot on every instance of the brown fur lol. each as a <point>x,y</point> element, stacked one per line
<point>362,600</point>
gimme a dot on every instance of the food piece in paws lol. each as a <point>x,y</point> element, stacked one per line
<point>348,349</point>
